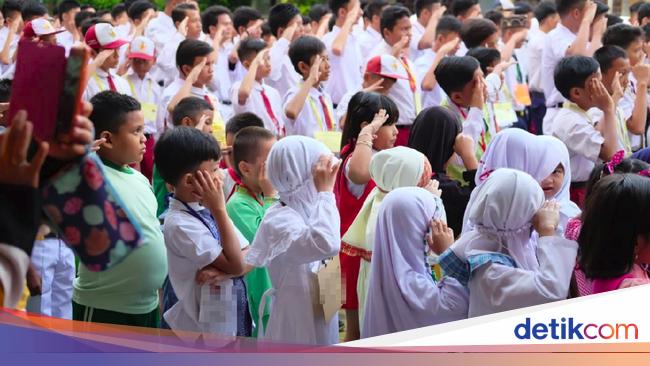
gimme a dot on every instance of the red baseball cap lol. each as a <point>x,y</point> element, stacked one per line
<point>142,47</point>
<point>39,27</point>
<point>103,35</point>
<point>386,66</point>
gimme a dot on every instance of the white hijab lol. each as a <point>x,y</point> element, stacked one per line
<point>501,217</point>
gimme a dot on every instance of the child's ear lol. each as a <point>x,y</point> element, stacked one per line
<point>304,68</point>
<point>244,168</point>
<point>575,93</point>
<point>187,179</point>
<point>106,136</point>
<point>187,121</point>
<point>246,64</point>
<point>186,69</point>
<point>457,98</point>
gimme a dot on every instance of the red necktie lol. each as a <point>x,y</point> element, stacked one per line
<point>269,110</point>
<point>409,73</point>
<point>111,84</point>
<point>326,112</point>
<point>207,99</point>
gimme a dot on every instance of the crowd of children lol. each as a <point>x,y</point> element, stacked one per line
<point>234,173</point>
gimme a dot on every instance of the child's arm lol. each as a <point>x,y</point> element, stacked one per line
<point>581,45</point>
<point>248,81</point>
<point>359,164</point>
<point>607,126</point>
<point>429,35</point>
<point>294,107</point>
<point>279,50</point>
<point>323,25</point>
<point>338,46</point>
<point>185,90</point>
<point>509,48</point>
<point>636,123</point>
<point>99,61</point>
<point>5,57</point>
<point>429,81</point>
<point>210,192</point>
<point>465,148</point>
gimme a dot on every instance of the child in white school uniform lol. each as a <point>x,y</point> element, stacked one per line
<point>578,78</point>
<point>424,21</point>
<point>307,106</point>
<point>496,260</point>
<point>194,60</point>
<point>104,42</point>
<point>252,94</point>
<point>187,21</point>
<point>369,38</point>
<point>285,22</point>
<point>294,238</point>
<point>217,25</point>
<point>146,90</point>
<point>200,236</point>
<point>343,49</point>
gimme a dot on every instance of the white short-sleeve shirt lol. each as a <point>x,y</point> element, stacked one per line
<point>556,44</point>
<point>255,104</point>
<point>435,96</point>
<point>98,82</point>
<point>346,69</point>
<point>283,75</point>
<point>312,116</point>
<point>145,91</point>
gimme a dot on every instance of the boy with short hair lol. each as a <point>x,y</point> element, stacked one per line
<point>634,106</point>
<point>396,31</point>
<point>425,21</point>
<point>66,11</point>
<point>514,30</point>
<point>147,91</point>
<point>199,236</point>
<point>217,25</point>
<point>579,80</point>
<point>127,294</point>
<point>466,9</point>
<point>104,44</point>
<point>577,34</point>
<point>248,204</point>
<point>285,22</point>
<point>187,21</point>
<point>372,35</point>
<point>446,43</point>
<point>307,106</point>
<point>252,94</point>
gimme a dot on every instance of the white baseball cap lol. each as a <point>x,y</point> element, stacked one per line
<point>142,47</point>
<point>386,66</point>
<point>39,27</point>
<point>102,35</point>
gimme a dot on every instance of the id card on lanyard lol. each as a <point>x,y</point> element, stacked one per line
<point>218,124</point>
<point>149,109</point>
<point>329,137</point>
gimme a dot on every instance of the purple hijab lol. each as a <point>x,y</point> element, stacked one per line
<point>402,294</point>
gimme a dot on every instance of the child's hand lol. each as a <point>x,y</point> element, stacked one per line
<point>441,236</point>
<point>218,37</point>
<point>314,72</point>
<point>590,12</point>
<point>398,47</point>
<point>599,28</point>
<point>641,73</point>
<point>209,191</point>
<point>254,31</point>
<point>34,281</point>
<point>439,12</point>
<point>324,173</point>
<point>193,76</point>
<point>289,31</point>
<point>519,36</point>
<point>70,145</point>
<point>211,276</point>
<point>375,87</point>
<point>478,95</point>
<point>448,47</point>
<point>547,218</point>
<point>267,188</point>
<point>103,56</point>
<point>432,186</point>
<point>617,89</point>
<point>97,144</point>
<point>631,282</point>
<point>502,66</point>
<point>182,28</point>
<point>371,129</point>
<point>14,167</point>
<point>600,96</point>
<point>259,59</point>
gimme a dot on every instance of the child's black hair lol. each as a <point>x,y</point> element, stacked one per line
<point>317,11</point>
<point>249,48</point>
<point>246,146</point>
<point>117,10</point>
<point>374,8</point>
<point>485,56</point>
<point>606,55</point>
<point>523,8</point>
<point>244,15</point>
<point>495,16</point>
<point>5,90</point>
<point>210,16</point>
<point>544,10</point>
<point>454,72</point>
<point>644,12</point>
<point>421,5</point>
<point>266,29</point>
<point>460,7</point>
<point>86,24</point>
<point>476,31</point>
<point>565,6</point>
<point>305,49</point>
<point>242,120</point>
<point>110,110</point>
<point>189,50</point>
<point>573,72</point>
<point>280,16</point>
<point>622,35</point>
<point>180,11</point>
<point>138,8</point>
<point>362,108</point>
<point>613,20</point>
<point>391,15</point>
<point>81,16</point>
<point>85,7</point>
<point>65,6</point>
<point>306,20</point>
<point>634,8</point>
<point>627,165</point>
<point>191,107</point>
<point>448,24</point>
<point>182,150</point>
<point>335,5</point>
<point>616,214</point>
<point>9,7</point>
<point>32,9</point>
<point>601,8</point>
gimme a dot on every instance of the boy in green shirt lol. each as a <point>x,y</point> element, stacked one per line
<point>248,204</point>
<point>127,293</point>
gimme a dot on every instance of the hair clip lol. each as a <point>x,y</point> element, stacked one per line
<point>616,159</point>
<point>645,173</point>
<point>485,175</point>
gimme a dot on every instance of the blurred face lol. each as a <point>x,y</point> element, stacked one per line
<point>112,61</point>
<point>204,123</point>
<point>622,66</point>
<point>473,12</point>
<point>508,34</point>
<point>582,96</point>
<point>147,13</point>
<point>208,70</point>
<point>401,29</point>
<point>299,29</point>
<point>68,17</point>
<point>492,41</point>
<point>141,66</point>
<point>386,137</point>
<point>552,184</point>
<point>193,24</point>
<point>464,97</point>
<point>448,37</point>
<point>127,146</point>
<point>264,69</point>
<point>635,52</point>
<point>50,38</point>
<point>324,67</point>
<point>184,188</point>
<point>308,29</point>
<point>225,21</point>
<point>552,21</point>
